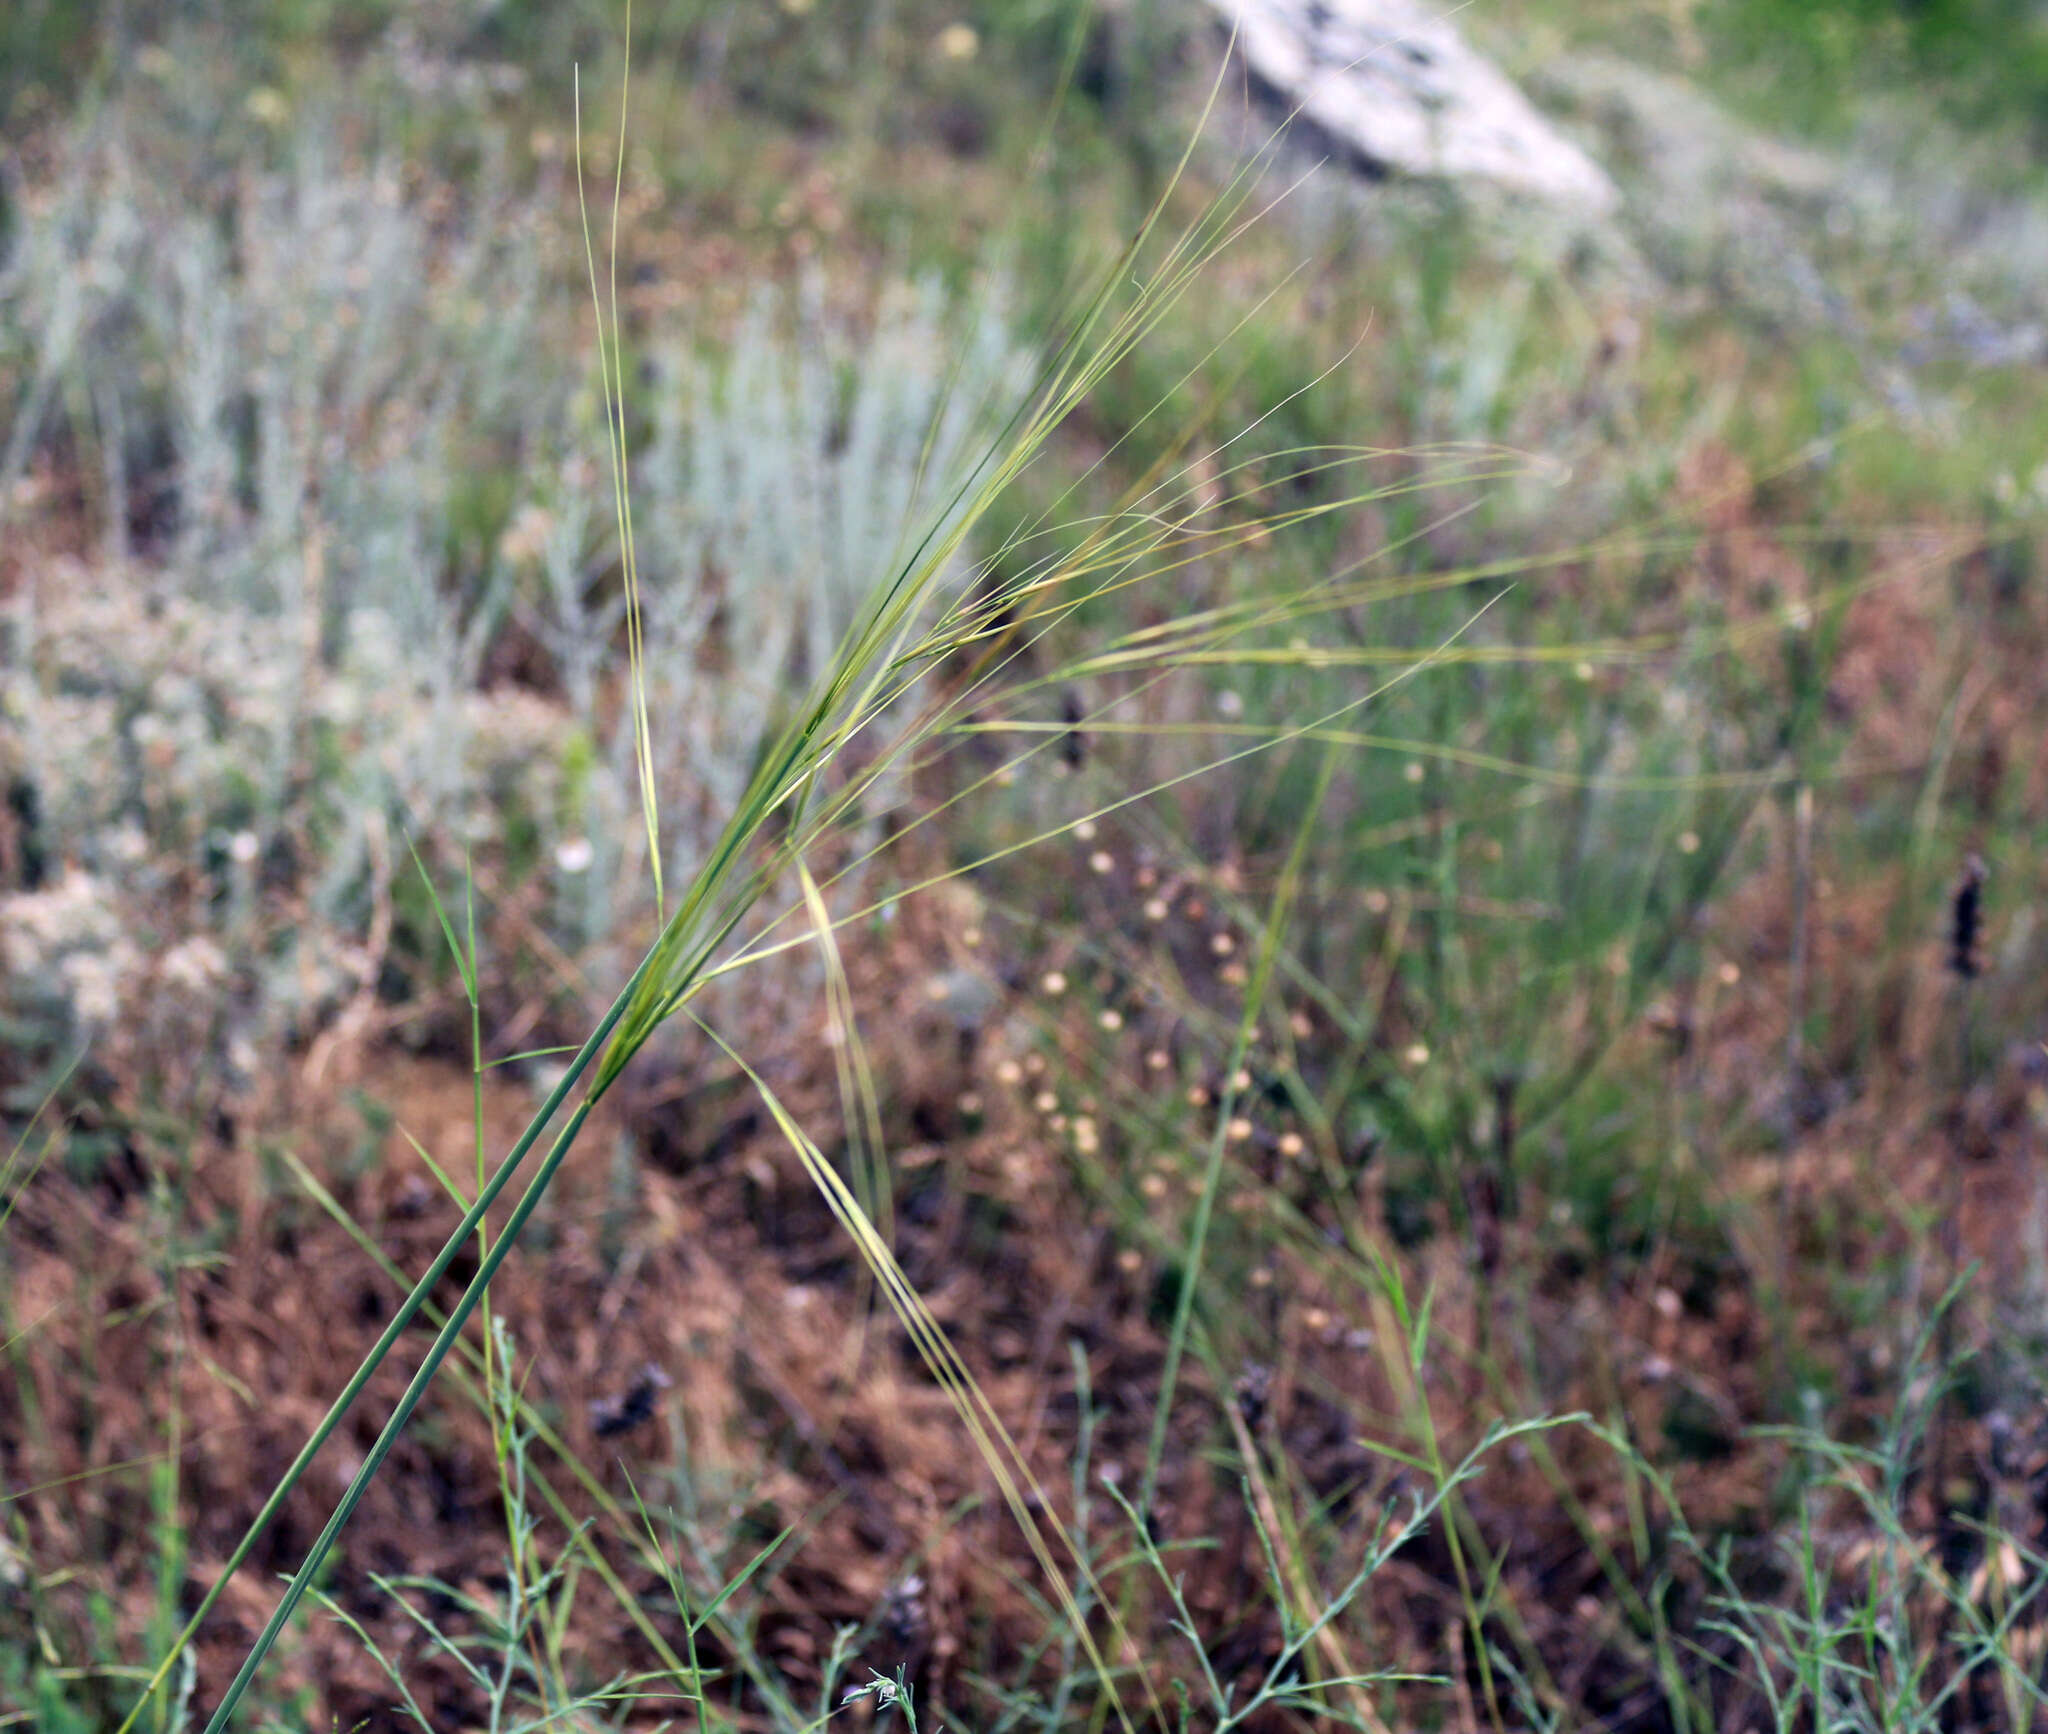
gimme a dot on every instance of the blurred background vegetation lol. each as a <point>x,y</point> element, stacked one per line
<point>1657,978</point>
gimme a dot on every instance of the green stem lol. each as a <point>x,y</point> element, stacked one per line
<point>317,1556</point>
<point>1212,1176</point>
<point>400,1320</point>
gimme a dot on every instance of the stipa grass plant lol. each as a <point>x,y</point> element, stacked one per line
<point>870,710</point>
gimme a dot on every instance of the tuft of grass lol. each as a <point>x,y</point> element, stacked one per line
<point>910,625</point>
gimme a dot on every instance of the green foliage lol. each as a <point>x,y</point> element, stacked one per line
<point>1986,59</point>
<point>46,49</point>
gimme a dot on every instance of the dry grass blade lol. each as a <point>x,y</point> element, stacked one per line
<point>1012,1473</point>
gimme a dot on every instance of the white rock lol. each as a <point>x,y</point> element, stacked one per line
<point>1394,83</point>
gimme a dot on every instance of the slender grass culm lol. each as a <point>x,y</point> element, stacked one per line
<point>919,616</point>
